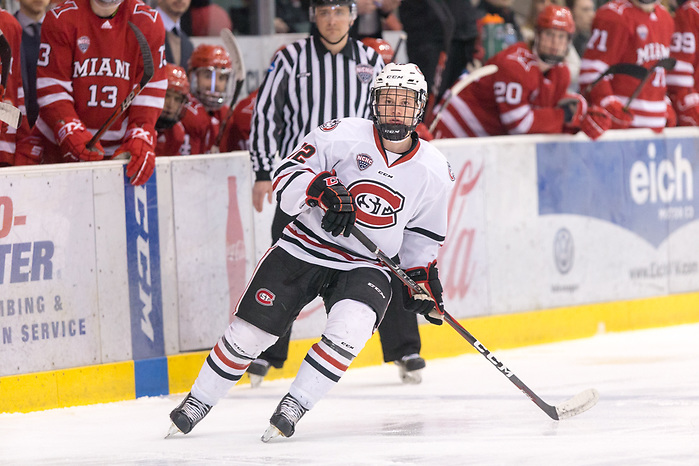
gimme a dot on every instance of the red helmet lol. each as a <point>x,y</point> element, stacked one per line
<point>177,79</point>
<point>381,46</point>
<point>206,55</point>
<point>556,17</point>
<point>207,64</point>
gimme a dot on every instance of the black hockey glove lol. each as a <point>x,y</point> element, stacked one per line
<point>327,190</point>
<point>430,303</point>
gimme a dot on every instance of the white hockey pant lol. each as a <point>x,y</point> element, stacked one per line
<point>240,344</point>
<point>350,325</point>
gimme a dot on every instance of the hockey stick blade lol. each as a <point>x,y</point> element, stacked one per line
<point>629,69</point>
<point>664,63</point>
<point>148,71</point>
<point>576,405</point>
<point>460,85</point>
<point>231,45</point>
<point>10,114</point>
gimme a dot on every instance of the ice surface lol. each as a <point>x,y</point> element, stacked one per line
<point>464,412</point>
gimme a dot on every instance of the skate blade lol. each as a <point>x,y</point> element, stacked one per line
<point>411,377</point>
<point>271,433</point>
<point>172,431</point>
<point>255,380</point>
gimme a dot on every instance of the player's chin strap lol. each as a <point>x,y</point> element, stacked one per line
<point>575,405</point>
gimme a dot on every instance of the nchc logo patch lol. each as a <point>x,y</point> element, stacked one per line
<point>364,161</point>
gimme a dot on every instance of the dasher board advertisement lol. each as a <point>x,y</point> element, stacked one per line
<point>212,202</point>
<point>48,288</point>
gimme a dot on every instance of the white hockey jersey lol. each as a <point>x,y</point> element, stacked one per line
<point>402,200</point>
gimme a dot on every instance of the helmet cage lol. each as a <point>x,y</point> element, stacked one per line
<point>387,102</point>
<point>210,98</point>
<point>387,105</point>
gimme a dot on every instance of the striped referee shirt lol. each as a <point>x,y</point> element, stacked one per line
<point>306,86</point>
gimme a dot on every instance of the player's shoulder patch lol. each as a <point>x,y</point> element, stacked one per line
<point>329,125</point>
<point>63,7</point>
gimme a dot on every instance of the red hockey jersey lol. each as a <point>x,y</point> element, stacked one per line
<point>623,33</point>
<point>170,141</point>
<point>517,99</point>
<point>684,79</point>
<point>14,94</point>
<point>88,65</point>
<point>239,134</point>
<point>197,127</point>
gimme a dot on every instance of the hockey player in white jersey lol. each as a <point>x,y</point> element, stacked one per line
<point>377,175</point>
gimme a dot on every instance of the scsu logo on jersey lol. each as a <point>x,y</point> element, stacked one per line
<point>264,297</point>
<point>378,205</point>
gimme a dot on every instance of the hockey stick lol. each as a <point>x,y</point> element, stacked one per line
<point>8,112</point>
<point>402,38</point>
<point>665,63</point>
<point>460,85</point>
<point>575,405</point>
<point>148,71</point>
<point>239,69</point>
<point>629,69</point>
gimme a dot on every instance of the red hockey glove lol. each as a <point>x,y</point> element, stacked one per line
<point>327,190</point>
<point>72,137</point>
<point>139,145</point>
<point>596,122</point>
<point>28,151</point>
<point>574,110</point>
<point>621,119</point>
<point>688,110</point>
<point>429,304</point>
<point>423,132</point>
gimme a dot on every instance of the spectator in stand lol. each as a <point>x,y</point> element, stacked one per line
<point>583,14</point>
<point>171,132</point>
<point>442,38</point>
<point>80,83</point>
<point>30,16</point>
<point>683,81</point>
<point>629,31</point>
<point>371,15</point>
<point>13,95</point>
<point>211,82</point>
<point>178,46</point>
<point>528,92</point>
<point>206,19</point>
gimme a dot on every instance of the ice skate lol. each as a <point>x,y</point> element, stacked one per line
<point>257,371</point>
<point>283,421</point>
<point>187,415</point>
<point>410,368</point>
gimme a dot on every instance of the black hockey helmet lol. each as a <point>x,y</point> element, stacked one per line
<point>316,3</point>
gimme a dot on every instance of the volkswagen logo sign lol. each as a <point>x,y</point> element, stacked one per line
<point>563,250</point>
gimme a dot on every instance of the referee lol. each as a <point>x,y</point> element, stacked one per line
<point>311,81</point>
<point>325,76</point>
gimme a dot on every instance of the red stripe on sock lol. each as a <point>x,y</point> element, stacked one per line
<point>329,358</point>
<point>228,362</point>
